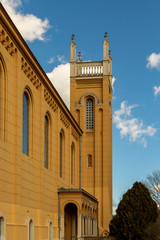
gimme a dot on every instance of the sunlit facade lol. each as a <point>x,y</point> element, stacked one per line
<point>55,164</point>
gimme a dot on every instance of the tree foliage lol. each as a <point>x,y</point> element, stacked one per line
<point>135,212</point>
<point>153,232</point>
<point>153,184</point>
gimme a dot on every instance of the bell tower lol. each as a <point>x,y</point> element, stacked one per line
<point>91,105</point>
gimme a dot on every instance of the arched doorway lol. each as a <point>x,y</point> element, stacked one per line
<point>70,222</point>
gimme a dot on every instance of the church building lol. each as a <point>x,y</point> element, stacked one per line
<point>55,164</point>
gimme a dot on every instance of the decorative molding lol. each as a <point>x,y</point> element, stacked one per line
<point>74,133</point>
<point>64,119</point>
<point>81,102</point>
<point>50,100</point>
<point>28,71</point>
<point>7,42</point>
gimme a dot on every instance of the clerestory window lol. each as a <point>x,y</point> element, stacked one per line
<point>61,156</point>
<point>46,126</point>
<point>72,162</point>
<point>25,133</point>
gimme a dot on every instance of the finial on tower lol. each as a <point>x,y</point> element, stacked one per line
<point>73,38</point>
<point>105,35</point>
<point>79,57</point>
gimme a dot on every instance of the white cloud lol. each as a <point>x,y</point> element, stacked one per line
<point>113,80</point>
<point>51,60</point>
<point>156,90</point>
<point>60,77</point>
<point>132,127</point>
<point>30,26</point>
<point>154,61</point>
<point>61,59</point>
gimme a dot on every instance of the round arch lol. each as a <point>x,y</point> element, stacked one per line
<point>89,94</point>
<point>72,202</point>
<point>28,91</point>
<point>71,221</point>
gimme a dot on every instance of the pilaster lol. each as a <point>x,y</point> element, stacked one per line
<point>62,226</point>
<point>79,235</point>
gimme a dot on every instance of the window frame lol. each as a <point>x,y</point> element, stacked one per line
<point>89,160</point>
<point>47,139</point>
<point>29,95</point>
<point>25,124</point>
<point>89,113</point>
<point>30,228</point>
<point>50,230</point>
<point>72,162</point>
<point>2,227</point>
<point>3,106</point>
<point>61,153</point>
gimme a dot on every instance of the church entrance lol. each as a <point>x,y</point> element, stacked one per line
<point>70,222</point>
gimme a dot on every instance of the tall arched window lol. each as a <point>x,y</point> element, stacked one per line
<point>72,162</point>
<point>2,228</point>
<point>61,154</point>
<point>30,229</point>
<point>25,133</point>
<point>61,157</point>
<point>3,105</point>
<point>89,113</point>
<point>50,230</point>
<point>46,129</point>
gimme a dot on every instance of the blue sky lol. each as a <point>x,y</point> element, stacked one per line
<point>133,32</point>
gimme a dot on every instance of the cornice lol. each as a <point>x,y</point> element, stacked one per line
<point>19,43</point>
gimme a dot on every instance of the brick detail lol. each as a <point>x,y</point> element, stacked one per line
<point>7,42</point>
<point>28,71</point>
<point>64,119</point>
<point>50,100</point>
<point>74,133</point>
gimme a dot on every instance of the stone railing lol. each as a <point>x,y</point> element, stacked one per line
<point>87,69</point>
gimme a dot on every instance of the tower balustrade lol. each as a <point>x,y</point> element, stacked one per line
<point>88,69</point>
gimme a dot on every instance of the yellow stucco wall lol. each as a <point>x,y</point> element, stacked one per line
<point>97,179</point>
<point>29,190</point>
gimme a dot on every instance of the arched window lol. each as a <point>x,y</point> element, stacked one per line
<point>89,160</point>
<point>25,133</point>
<point>72,162</point>
<point>89,113</point>
<point>2,228</point>
<point>61,154</point>
<point>46,129</point>
<point>50,230</point>
<point>30,229</point>
<point>61,157</point>
<point>3,105</point>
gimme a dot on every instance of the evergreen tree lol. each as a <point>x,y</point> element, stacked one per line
<point>135,212</point>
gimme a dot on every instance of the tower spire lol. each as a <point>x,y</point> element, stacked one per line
<point>105,46</point>
<point>73,38</point>
<point>73,47</point>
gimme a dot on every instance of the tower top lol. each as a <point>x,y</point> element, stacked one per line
<point>79,68</point>
<point>73,38</point>
<point>105,35</point>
